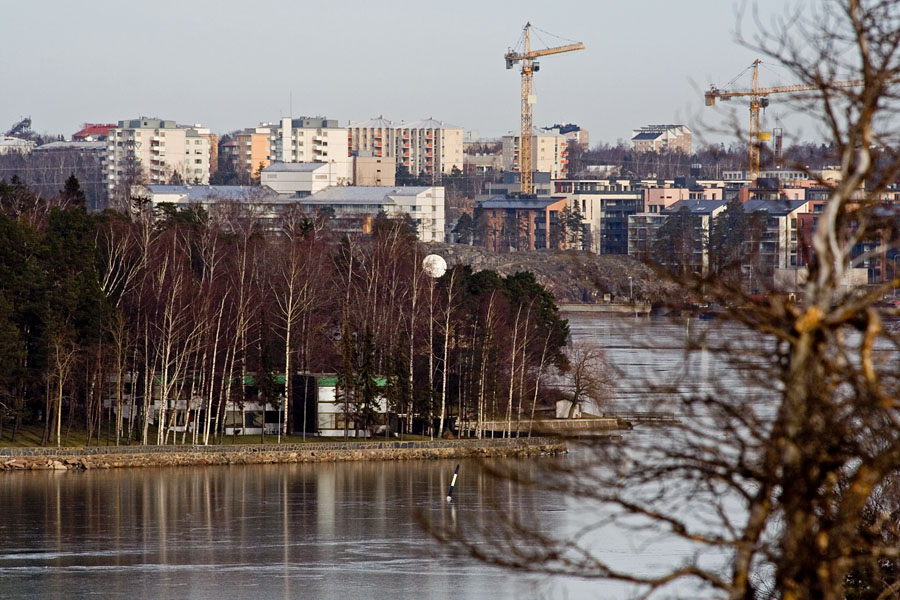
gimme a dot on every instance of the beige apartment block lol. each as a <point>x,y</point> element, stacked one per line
<point>428,147</point>
<point>549,149</point>
<point>656,138</point>
<point>157,151</point>
<point>251,150</point>
<point>375,136</point>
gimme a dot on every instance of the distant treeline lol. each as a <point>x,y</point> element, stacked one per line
<point>142,314</point>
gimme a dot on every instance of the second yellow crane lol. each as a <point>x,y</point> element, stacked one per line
<point>759,98</point>
<point>529,67</point>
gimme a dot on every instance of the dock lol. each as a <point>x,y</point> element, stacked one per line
<point>615,308</point>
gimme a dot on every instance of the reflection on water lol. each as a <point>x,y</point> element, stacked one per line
<point>326,530</point>
<point>281,531</point>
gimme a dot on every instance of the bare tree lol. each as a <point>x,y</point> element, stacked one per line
<point>776,490</point>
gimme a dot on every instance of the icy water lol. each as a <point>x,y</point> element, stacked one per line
<point>343,530</point>
<point>334,531</point>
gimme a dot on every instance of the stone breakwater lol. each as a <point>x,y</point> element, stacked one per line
<point>116,457</point>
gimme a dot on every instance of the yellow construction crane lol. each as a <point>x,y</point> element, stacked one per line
<point>529,66</point>
<point>759,98</point>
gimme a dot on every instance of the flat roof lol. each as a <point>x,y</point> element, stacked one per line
<point>362,193</point>
<point>198,193</point>
<point>303,167</point>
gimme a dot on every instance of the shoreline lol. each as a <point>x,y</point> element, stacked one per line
<point>105,457</point>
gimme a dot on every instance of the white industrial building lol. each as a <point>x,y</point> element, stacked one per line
<point>303,179</point>
<point>357,206</point>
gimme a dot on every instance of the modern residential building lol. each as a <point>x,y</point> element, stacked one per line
<point>427,147</point>
<point>574,134</point>
<point>510,184</point>
<point>334,418</point>
<point>158,151</point>
<point>375,136</point>
<point>776,246</point>
<point>643,230</point>
<point>549,151</point>
<point>507,223</point>
<point>605,205</point>
<point>656,138</point>
<point>305,140</point>
<point>482,164</point>
<point>355,208</point>
<point>642,226</point>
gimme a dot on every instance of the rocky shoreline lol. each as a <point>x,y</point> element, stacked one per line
<point>65,459</point>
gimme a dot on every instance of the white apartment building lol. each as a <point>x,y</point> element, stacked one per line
<point>549,152</point>
<point>656,138</point>
<point>429,147</point>
<point>305,140</point>
<point>157,151</point>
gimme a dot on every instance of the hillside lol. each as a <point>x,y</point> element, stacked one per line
<point>570,276</point>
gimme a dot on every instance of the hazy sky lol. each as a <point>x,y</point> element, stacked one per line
<point>230,64</point>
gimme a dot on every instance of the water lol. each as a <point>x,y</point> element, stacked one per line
<point>345,530</point>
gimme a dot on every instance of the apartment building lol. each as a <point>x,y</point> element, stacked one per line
<point>643,230</point>
<point>305,140</point>
<point>249,150</point>
<point>509,224</point>
<point>157,151</point>
<point>656,138</point>
<point>428,147</point>
<point>605,205</point>
<point>549,152</point>
<point>375,136</point>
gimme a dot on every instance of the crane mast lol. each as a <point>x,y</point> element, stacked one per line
<point>529,67</point>
<point>759,98</point>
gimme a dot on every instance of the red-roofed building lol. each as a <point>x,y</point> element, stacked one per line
<point>93,132</point>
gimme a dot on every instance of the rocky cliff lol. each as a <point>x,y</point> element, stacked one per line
<point>569,275</point>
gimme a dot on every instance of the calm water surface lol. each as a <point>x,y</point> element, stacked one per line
<point>309,531</point>
<point>273,531</point>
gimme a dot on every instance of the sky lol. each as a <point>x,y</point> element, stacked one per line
<point>229,64</point>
